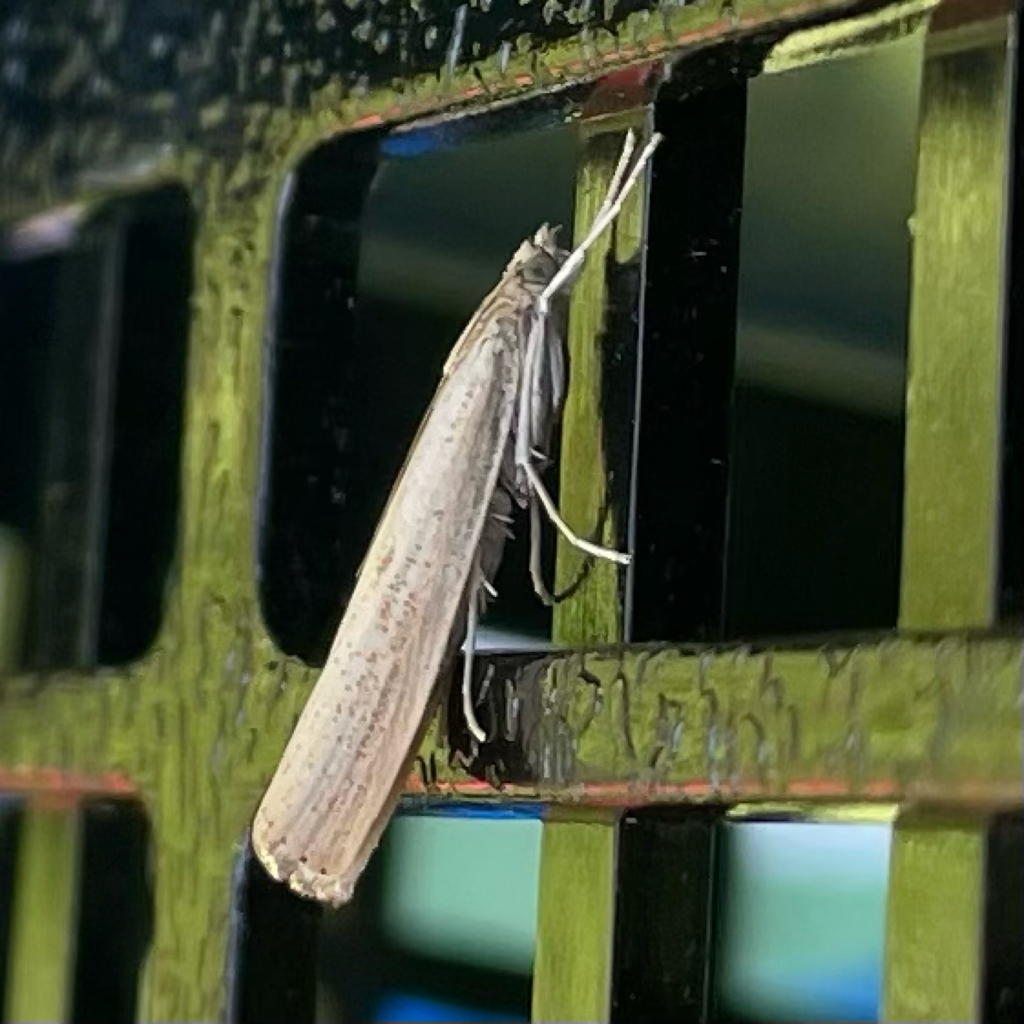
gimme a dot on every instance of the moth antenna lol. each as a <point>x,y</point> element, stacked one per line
<point>620,171</point>
<point>608,214</point>
<point>604,218</point>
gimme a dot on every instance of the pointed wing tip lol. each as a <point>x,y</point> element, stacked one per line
<point>333,890</point>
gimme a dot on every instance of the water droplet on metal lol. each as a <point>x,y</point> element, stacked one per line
<point>455,43</point>
<point>159,46</point>
<point>16,30</point>
<point>14,72</point>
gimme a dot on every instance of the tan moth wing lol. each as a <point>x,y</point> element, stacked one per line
<point>344,766</point>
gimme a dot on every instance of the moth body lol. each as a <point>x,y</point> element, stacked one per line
<point>425,577</point>
<point>349,754</point>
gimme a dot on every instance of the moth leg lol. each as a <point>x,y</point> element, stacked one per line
<point>539,587</point>
<point>485,686</point>
<point>504,528</point>
<point>534,353</point>
<point>542,460</point>
<point>538,488</point>
<point>472,621</point>
<point>547,597</point>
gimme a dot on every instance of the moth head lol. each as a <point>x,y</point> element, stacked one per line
<point>537,259</point>
<point>546,239</point>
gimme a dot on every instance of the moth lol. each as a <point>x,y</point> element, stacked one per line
<point>478,455</point>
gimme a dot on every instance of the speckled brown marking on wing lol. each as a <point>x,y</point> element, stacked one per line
<point>343,768</point>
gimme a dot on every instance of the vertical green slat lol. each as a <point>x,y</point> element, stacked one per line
<point>933,955</point>
<point>13,591</point>
<point>952,460</point>
<point>572,980</point>
<point>594,613</point>
<point>576,911</point>
<point>950,566</point>
<point>40,972</point>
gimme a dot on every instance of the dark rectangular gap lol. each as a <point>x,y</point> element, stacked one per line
<point>387,245</point>
<point>148,416</point>
<point>1003,955</point>
<point>815,514</point>
<point>272,969</point>
<point>115,912</point>
<point>92,374</point>
<point>770,460</point>
<point>689,340</point>
<point>10,820</point>
<point>1011,546</point>
<point>28,293</point>
<point>306,561</point>
<point>664,902</point>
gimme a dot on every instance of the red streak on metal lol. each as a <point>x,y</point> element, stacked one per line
<point>52,784</point>
<point>617,794</point>
<point>625,89</point>
<point>652,45</point>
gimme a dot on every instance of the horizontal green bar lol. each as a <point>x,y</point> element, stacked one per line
<point>887,720</point>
